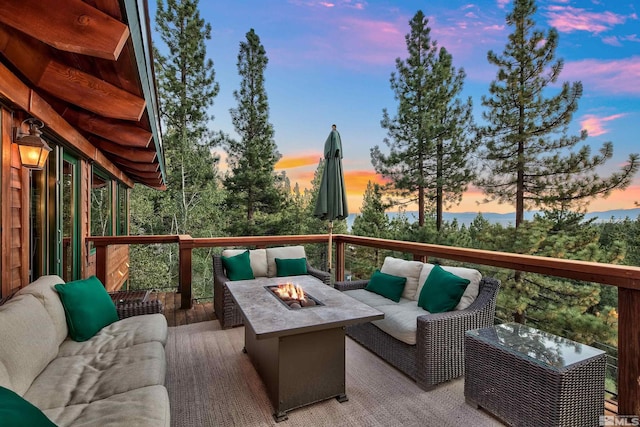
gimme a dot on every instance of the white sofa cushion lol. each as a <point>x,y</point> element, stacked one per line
<point>43,289</point>
<point>142,407</point>
<point>400,319</point>
<point>257,259</point>
<point>121,334</point>
<point>470,294</point>
<point>28,342</point>
<point>403,268</point>
<point>284,252</point>
<point>85,378</point>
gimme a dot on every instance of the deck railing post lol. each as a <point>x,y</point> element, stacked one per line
<point>628,351</point>
<point>101,262</point>
<point>340,258</point>
<point>186,249</point>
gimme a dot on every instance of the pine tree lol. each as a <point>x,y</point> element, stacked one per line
<point>186,88</point>
<point>430,151</point>
<point>372,222</point>
<point>527,132</point>
<point>252,183</point>
<point>526,138</point>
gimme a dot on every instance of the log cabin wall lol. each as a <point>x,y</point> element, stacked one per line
<point>85,69</point>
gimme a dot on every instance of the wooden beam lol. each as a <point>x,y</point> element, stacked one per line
<point>119,131</point>
<point>12,88</point>
<point>144,167</point>
<point>136,154</point>
<point>68,83</point>
<point>72,26</point>
<point>142,174</point>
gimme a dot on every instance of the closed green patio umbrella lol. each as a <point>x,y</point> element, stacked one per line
<point>331,203</point>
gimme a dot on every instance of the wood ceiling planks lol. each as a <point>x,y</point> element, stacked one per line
<point>79,57</point>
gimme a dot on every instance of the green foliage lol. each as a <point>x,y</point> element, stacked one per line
<point>526,134</point>
<point>430,150</point>
<point>252,185</point>
<point>192,200</point>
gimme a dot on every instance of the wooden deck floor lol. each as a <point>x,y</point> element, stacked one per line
<point>202,311</point>
<point>176,316</point>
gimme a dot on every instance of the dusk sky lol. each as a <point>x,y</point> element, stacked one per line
<point>330,62</point>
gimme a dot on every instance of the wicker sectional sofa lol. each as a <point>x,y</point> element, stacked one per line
<point>263,265</point>
<point>427,347</point>
<point>115,378</point>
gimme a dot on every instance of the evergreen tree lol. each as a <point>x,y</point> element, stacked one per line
<point>526,137</point>
<point>187,88</point>
<point>253,191</point>
<point>372,222</point>
<point>430,151</point>
<point>527,132</point>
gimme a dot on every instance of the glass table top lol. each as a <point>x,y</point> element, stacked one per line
<point>538,346</point>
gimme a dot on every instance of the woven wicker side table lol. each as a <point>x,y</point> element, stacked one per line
<point>134,303</point>
<point>527,377</point>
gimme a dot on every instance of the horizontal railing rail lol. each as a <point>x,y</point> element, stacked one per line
<point>625,278</point>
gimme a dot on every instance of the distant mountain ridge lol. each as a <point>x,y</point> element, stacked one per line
<point>467,218</point>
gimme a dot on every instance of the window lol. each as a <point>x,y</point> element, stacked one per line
<point>123,210</point>
<point>100,204</point>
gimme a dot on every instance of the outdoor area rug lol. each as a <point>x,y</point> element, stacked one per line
<point>211,382</point>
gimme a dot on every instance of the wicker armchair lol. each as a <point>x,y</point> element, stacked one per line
<point>223,303</point>
<point>438,354</point>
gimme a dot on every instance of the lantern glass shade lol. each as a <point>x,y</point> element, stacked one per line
<point>33,149</point>
<point>34,156</point>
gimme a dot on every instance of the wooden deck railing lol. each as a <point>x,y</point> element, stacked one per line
<point>625,278</point>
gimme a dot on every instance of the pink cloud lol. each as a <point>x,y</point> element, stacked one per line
<point>503,3</point>
<point>568,19</point>
<point>619,76</point>
<point>368,41</point>
<point>325,4</point>
<point>595,125</point>
<point>612,41</point>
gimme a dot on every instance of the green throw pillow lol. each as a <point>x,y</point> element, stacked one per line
<point>17,412</point>
<point>87,307</point>
<point>441,291</point>
<point>238,267</point>
<point>387,285</point>
<point>291,266</point>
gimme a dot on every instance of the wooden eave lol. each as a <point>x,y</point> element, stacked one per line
<point>84,68</point>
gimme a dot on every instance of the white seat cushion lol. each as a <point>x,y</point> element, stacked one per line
<point>85,378</point>
<point>121,334</point>
<point>400,319</point>
<point>403,268</point>
<point>470,294</point>
<point>257,259</point>
<point>142,407</point>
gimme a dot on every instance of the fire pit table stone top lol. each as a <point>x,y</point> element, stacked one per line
<point>270,318</point>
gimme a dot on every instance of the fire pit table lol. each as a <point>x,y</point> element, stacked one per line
<point>298,352</point>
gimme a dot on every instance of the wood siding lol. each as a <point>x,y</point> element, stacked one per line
<point>117,267</point>
<point>15,212</point>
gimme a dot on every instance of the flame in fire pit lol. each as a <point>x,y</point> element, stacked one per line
<point>293,296</point>
<point>289,291</point>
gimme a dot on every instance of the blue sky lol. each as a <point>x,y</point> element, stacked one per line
<point>330,62</point>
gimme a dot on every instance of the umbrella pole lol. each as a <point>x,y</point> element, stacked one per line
<point>330,238</point>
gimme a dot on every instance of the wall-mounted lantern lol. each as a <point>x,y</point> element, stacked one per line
<point>33,149</point>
